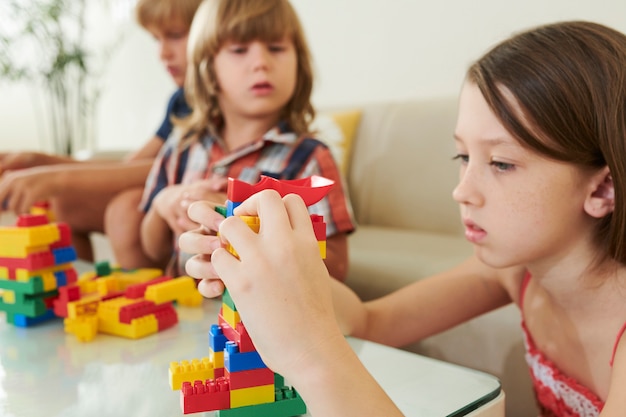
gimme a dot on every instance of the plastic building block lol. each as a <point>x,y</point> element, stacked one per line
<point>253,395</point>
<point>209,396</point>
<point>235,361</point>
<point>254,389</point>
<point>288,403</point>
<point>311,189</point>
<point>196,369</point>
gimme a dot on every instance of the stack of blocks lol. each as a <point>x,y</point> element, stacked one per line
<point>233,380</point>
<point>131,304</point>
<point>35,261</point>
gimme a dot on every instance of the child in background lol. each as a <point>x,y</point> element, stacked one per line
<point>249,83</point>
<point>541,138</point>
<point>80,191</point>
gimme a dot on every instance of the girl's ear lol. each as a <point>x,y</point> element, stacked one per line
<point>601,199</point>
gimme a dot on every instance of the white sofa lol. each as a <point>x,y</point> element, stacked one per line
<point>400,176</point>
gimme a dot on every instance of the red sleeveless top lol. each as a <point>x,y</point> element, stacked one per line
<point>558,395</point>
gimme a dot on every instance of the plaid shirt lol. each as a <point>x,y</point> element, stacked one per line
<point>269,154</point>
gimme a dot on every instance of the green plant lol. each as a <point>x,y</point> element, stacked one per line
<point>45,43</point>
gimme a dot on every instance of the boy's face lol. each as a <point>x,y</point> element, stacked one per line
<point>256,78</point>
<point>172,41</point>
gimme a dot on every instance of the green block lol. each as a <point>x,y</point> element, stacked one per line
<point>28,305</point>
<point>33,286</point>
<point>226,299</point>
<point>103,269</point>
<point>221,210</point>
<point>288,404</point>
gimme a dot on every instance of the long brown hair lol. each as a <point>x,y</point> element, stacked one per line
<point>569,81</point>
<point>219,21</point>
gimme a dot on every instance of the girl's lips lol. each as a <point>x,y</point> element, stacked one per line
<point>473,233</point>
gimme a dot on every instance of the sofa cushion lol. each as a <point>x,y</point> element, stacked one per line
<point>383,259</point>
<point>401,170</point>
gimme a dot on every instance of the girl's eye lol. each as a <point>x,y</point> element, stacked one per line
<point>461,157</point>
<point>502,166</point>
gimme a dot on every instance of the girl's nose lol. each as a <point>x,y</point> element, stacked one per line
<point>467,190</point>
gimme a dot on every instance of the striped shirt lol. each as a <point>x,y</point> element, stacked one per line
<point>268,155</point>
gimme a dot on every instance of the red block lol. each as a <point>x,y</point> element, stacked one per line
<point>250,378</point>
<point>210,396</point>
<point>30,220</point>
<point>139,290</point>
<point>135,310</point>
<point>65,237</point>
<point>239,335</point>
<point>166,316</point>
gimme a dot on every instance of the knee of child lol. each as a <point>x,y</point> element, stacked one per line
<point>122,218</point>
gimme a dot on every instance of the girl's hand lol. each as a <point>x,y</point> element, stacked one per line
<point>279,283</point>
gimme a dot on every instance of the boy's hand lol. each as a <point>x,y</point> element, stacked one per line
<point>203,242</point>
<point>20,190</point>
<point>173,201</point>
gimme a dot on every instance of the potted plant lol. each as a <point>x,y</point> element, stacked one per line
<point>45,43</point>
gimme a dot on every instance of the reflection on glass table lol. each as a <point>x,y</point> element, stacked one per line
<point>46,372</point>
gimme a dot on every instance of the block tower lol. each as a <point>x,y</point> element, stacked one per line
<point>233,380</point>
<point>36,258</point>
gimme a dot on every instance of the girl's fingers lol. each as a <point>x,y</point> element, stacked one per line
<point>297,212</point>
<point>199,266</point>
<point>203,212</point>
<point>211,288</point>
<point>197,241</point>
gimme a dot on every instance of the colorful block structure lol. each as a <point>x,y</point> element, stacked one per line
<point>36,258</point>
<point>233,380</point>
<point>126,303</point>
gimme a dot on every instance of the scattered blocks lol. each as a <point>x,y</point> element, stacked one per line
<point>35,262</point>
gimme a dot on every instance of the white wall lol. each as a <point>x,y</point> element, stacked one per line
<point>365,50</point>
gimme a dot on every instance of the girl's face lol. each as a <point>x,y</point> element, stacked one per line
<point>255,79</point>
<point>518,207</point>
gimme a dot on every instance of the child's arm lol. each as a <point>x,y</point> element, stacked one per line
<point>21,189</point>
<point>282,291</point>
<point>10,161</point>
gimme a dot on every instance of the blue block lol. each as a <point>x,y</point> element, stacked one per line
<point>217,338</point>
<point>235,361</point>
<point>61,278</point>
<point>21,320</point>
<point>230,206</point>
<point>64,255</point>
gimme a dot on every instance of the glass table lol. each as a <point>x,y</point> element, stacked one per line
<point>46,372</point>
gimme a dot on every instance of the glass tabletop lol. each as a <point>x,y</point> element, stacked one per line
<point>44,371</point>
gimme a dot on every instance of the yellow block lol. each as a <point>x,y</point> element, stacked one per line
<point>29,236</point>
<point>217,358</point>
<point>8,296</point>
<point>250,396</point>
<point>12,251</point>
<point>186,371</point>
<point>181,289</point>
<point>231,316</point>
<point>322,245</point>
<point>84,328</point>
<point>139,327</point>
